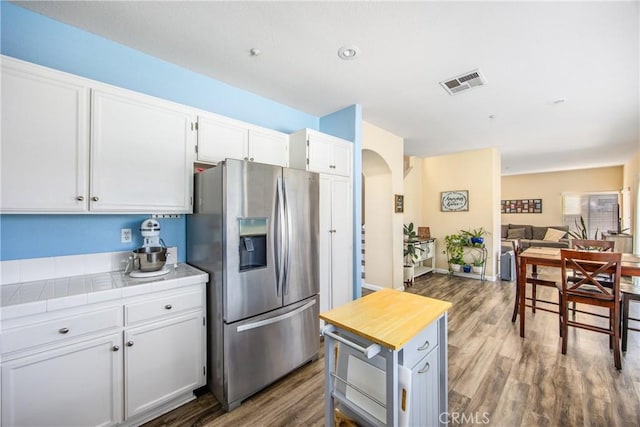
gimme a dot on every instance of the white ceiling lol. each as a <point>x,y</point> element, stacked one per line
<point>531,53</point>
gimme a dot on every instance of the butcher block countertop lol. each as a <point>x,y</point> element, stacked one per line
<point>387,317</point>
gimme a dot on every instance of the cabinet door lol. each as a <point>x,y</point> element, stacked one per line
<point>342,158</point>
<point>340,241</point>
<point>45,140</point>
<point>162,361</point>
<point>270,147</point>
<point>78,385</point>
<point>141,154</point>
<point>424,407</point>
<point>220,138</point>
<point>319,153</point>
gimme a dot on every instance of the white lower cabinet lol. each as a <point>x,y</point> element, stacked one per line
<point>162,361</point>
<point>76,385</point>
<point>104,364</point>
<point>425,402</point>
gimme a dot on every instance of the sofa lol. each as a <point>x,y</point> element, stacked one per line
<point>533,235</point>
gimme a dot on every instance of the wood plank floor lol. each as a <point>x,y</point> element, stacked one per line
<point>495,377</point>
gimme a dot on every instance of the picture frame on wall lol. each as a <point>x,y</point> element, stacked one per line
<point>454,201</point>
<point>399,203</point>
<point>521,206</point>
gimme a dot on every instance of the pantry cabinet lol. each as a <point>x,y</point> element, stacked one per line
<point>73,145</point>
<point>336,241</point>
<point>220,138</point>
<point>75,385</point>
<point>318,152</point>
<point>45,140</point>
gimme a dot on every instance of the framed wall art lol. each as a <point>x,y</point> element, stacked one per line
<point>521,206</point>
<point>399,203</point>
<point>454,201</point>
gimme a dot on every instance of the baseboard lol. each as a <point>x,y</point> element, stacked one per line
<point>373,287</point>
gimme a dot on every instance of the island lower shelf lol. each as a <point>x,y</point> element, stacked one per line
<point>392,374</point>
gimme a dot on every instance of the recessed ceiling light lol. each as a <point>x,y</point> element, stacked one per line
<point>559,101</point>
<point>254,51</point>
<point>348,52</point>
<point>492,116</point>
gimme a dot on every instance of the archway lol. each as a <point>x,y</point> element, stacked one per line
<point>377,210</point>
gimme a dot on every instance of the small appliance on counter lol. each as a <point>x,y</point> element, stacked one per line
<point>148,260</point>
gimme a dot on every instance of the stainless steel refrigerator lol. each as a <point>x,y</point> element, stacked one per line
<point>255,231</point>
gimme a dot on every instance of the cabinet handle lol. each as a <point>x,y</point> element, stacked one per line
<point>332,231</point>
<point>168,306</point>
<point>332,166</point>
<point>251,159</point>
<point>246,158</point>
<point>63,330</point>
<point>425,369</point>
<point>424,346</point>
<point>95,198</point>
<point>115,348</point>
<point>129,343</point>
<point>80,198</point>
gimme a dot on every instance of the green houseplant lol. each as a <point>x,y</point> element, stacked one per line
<point>475,236</point>
<point>411,251</point>
<point>454,249</point>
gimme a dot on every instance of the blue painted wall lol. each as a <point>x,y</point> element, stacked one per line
<point>31,37</point>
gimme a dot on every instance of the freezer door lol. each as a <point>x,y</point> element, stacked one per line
<point>250,277</point>
<point>260,350</point>
<point>301,194</point>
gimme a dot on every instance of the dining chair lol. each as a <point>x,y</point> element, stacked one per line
<point>629,292</point>
<point>535,279</point>
<point>589,245</point>
<point>591,290</point>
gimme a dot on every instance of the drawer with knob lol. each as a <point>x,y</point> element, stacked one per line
<point>420,345</point>
<point>64,328</point>
<point>156,309</point>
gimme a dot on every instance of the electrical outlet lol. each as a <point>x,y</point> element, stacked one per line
<point>125,235</point>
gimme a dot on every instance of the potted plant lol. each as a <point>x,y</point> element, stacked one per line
<point>582,233</point>
<point>466,268</point>
<point>477,264</point>
<point>411,251</point>
<point>454,245</point>
<point>475,236</point>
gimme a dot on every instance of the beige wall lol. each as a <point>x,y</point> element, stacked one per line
<point>631,182</point>
<point>550,186</point>
<point>383,246</point>
<point>476,171</point>
<point>413,193</point>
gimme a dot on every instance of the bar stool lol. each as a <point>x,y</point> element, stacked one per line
<point>630,292</point>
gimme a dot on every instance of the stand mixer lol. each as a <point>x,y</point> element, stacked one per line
<point>148,260</point>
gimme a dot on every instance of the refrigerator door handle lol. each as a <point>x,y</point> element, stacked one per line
<point>279,238</point>
<point>287,264</point>
<point>276,319</point>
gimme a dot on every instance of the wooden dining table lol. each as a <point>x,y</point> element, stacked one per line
<point>550,257</point>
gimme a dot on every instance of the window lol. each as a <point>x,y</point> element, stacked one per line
<point>599,210</point>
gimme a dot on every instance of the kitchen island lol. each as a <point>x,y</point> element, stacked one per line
<point>386,360</point>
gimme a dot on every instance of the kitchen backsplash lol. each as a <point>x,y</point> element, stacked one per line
<point>27,270</point>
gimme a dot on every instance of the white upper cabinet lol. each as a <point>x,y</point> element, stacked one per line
<point>45,140</point>
<point>220,137</point>
<point>319,152</point>
<point>141,154</point>
<point>132,154</point>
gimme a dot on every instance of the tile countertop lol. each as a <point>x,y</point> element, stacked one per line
<point>27,298</point>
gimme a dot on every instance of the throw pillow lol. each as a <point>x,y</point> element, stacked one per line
<point>515,233</point>
<point>554,235</point>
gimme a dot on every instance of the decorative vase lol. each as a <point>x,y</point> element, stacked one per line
<point>466,268</point>
<point>477,240</point>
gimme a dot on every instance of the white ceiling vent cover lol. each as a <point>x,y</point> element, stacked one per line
<point>464,82</point>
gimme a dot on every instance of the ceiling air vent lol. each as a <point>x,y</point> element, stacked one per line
<point>464,82</point>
